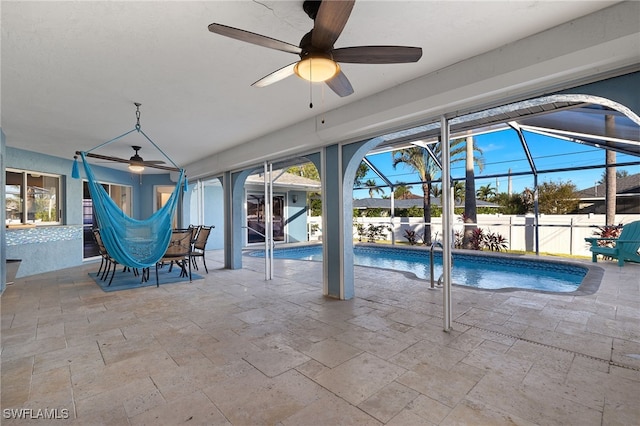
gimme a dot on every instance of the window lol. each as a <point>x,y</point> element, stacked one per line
<point>32,198</point>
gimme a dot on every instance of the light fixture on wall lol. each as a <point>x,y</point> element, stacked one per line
<point>294,198</point>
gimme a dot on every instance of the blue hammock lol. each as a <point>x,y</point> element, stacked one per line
<point>131,242</point>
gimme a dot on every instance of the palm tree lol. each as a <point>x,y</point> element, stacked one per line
<point>373,187</point>
<point>470,208</point>
<point>436,191</point>
<point>458,190</point>
<point>418,158</point>
<point>420,161</point>
<point>402,191</point>
<point>486,192</point>
<point>362,171</point>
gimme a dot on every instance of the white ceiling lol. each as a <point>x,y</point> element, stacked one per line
<point>72,70</point>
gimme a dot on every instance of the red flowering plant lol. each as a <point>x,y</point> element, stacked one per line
<point>608,231</point>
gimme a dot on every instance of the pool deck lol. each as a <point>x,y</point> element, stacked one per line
<point>235,349</point>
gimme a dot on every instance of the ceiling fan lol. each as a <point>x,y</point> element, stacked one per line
<point>318,58</point>
<point>137,164</point>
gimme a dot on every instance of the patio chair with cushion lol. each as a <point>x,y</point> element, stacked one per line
<point>625,248</point>
<point>178,252</point>
<point>199,246</point>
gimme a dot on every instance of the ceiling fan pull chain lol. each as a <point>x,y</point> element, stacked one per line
<point>310,94</point>
<point>324,110</point>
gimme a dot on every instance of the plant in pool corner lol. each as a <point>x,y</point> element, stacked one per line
<point>411,236</point>
<point>481,240</point>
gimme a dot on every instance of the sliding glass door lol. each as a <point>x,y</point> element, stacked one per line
<point>256,228</point>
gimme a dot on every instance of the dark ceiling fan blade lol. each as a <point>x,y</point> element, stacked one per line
<point>125,161</point>
<point>152,162</point>
<point>275,76</point>
<point>254,38</point>
<point>377,54</point>
<point>330,21</point>
<point>340,84</point>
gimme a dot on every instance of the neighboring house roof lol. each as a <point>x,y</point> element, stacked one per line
<point>624,185</point>
<point>385,203</point>
<point>285,179</point>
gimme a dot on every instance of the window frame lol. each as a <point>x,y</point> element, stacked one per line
<point>24,188</point>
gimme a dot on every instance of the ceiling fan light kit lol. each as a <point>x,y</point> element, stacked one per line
<point>318,57</point>
<point>136,168</point>
<point>317,68</point>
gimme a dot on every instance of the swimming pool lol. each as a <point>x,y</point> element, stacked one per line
<point>485,271</point>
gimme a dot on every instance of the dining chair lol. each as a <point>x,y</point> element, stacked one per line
<point>107,262</point>
<point>178,252</point>
<point>199,246</point>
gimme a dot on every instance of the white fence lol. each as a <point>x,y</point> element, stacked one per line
<point>560,234</point>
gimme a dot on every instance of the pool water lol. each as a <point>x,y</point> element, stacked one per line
<point>472,270</point>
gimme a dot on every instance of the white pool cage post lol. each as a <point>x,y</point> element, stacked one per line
<point>447,219</point>
<point>268,222</point>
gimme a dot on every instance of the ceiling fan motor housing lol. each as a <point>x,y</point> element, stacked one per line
<point>136,158</point>
<point>311,7</point>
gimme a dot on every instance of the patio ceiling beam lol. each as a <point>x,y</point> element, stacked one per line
<point>515,126</point>
<point>580,138</point>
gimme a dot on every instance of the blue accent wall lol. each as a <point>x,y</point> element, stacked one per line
<point>214,215</point>
<point>143,193</point>
<point>50,248</point>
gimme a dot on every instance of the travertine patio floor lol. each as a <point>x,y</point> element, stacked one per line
<point>233,348</point>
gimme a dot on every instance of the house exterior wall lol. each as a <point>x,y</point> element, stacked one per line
<point>295,213</point>
<point>624,205</point>
<point>296,219</point>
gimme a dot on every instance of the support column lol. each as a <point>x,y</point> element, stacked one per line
<point>337,275</point>
<point>233,192</point>
<point>610,175</point>
<point>447,218</point>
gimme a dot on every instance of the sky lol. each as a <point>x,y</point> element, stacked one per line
<point>502,151</point>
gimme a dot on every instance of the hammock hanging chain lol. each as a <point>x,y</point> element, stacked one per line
<point>137,104</point>
<point>138,129</point>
